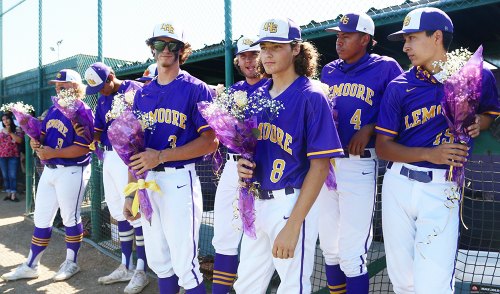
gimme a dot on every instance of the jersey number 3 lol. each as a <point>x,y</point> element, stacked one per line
<point>356,119</point>
<point>277,172</point>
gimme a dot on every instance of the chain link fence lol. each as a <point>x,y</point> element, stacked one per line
<point>121,34</point>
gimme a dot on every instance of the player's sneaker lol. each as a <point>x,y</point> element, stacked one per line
<point>121,274</point>
<point>138,282</point>
<point>23,271</point>
<point>66,270</point>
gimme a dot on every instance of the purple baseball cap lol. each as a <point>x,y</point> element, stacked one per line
<point>279,30</point>
<point>423,19</point>
<point>96,75</point>
<point>149,74</point>
<point>355,22</point>
<point>67,75</point>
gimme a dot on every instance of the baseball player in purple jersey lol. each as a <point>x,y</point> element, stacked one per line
<point>291,163</point>
<point>61,185</point>
<point>180,138</point>
<point>227,230</point>
<point>358,80</point>
<point>420,217</point>
<point>149,74</point>
<point>101,78</point>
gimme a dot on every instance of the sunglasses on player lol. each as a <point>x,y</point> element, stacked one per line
<point>172,46</point>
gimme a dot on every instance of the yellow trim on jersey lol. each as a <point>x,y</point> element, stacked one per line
<point>98,129</point>
<point>386,130</point>
<point>325,152</point>
<point>223,278</point>
<point>224,273</point>
<point>492,112</point>
<point>202,127</point>
<point>222,283</point>
<point>43,133</point>
<point>337,286</point>
<point>81,144</point>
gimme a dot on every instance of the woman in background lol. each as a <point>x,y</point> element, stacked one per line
<point>10,136</point>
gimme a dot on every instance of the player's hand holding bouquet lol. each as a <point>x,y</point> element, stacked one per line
<point>462,77</point>
<point>126,135</point>
<point>232,115</point>
<point>72,107</point>
<point>29,124</point>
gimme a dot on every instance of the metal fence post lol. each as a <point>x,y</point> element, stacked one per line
<point>228,43</point>
<point>30,174</point>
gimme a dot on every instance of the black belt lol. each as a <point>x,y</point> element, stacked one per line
<point>417,175</point>
<point>235,157</point>
<point>366,154</point>
<point>108,148</point>
<point>162,168</point>
<point>268,194</point>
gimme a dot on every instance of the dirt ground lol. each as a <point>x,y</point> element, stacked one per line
<point>15,239</point>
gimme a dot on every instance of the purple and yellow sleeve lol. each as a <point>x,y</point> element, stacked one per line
<point>322,137</point>
<point>489,103</point>
<point>389,118</point>
<point>203,94</point>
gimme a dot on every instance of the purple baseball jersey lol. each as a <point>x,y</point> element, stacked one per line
<point>244,86</point>
<point>104,105</point>
<point>174,108</point>
<point>411,112</point>
<point>59,133</point>
<point>358,89</point>
<point>289,141</point>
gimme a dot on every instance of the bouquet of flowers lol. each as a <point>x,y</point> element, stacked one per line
<point>68,103</point>
<point>232,115</point>
<point>331,181</point>
<point>30,125</point>
<point>126,135</point>
<point>462,77</point>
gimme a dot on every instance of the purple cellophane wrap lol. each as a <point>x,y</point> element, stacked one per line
<point>462,92</point>
<point>127,138</point>
<point>30,125</point>
<point>331,181</point>
<point>79,114</point>
<point>239,136</point>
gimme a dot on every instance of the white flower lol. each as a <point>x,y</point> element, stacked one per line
<point>129,97</point>
<point>455,60</point>
<point>240,98</point>
<point>220,89</point>
<point>62,103</point>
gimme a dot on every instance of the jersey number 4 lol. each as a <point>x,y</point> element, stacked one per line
<point>356,119</point>
<point>278,168</point>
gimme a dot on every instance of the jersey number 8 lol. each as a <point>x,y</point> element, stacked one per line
<point>277,172</point>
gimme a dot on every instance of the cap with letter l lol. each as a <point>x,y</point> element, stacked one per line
<point>96,75</point>
<point>167,29</point>
<point>66,75</point>
<point>244,44</point>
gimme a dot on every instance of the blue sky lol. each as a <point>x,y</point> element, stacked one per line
<point>127,23</point>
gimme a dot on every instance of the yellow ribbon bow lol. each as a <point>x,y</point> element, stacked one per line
<point>92,146</point>
<point>141,184</point>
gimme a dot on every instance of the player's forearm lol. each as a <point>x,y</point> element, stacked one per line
<point>318,171</point>
<point>393,151</point>
<point>205,144</point>
<point>97,135</point>
<point>72,151</point>
<point>485,121</point>
<point>131,178</point>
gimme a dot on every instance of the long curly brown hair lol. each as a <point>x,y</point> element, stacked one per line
<point>305,63</point>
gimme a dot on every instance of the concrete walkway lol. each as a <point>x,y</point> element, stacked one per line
<point>15,239</point>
